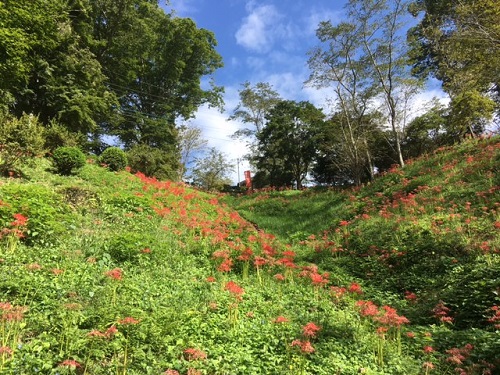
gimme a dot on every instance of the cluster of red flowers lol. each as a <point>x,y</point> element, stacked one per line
<point>109,333</point>
<point>192,354</point>
<point>10,313</point>
<point>441,312</point>
<point>115,274</point>
<point>17,227</point>
<point>234,289</point>
<point>495,319</point>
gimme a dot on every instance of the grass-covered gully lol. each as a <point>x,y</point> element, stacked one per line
<point>116,273</point>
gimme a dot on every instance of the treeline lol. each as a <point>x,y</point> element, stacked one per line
<point>374,65</point>
<point>96,71</point>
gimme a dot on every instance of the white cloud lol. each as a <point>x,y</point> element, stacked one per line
<point>260,28</point>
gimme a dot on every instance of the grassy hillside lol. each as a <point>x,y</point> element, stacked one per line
<point>113,273</point>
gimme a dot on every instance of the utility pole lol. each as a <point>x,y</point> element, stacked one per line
<point>238,167</point>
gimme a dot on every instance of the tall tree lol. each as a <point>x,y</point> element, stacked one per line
<point>190,141</point>
<point>287,143</point>
<point>48,68</point>
<point>338,64</point>
<point>458,42</point>
<point>212,171</point>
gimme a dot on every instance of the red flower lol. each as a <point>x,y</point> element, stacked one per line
<point>234,289</point>
<point>111,331</point>
<point>115,274</point>
<point>225,266</point>
<point>368,308</point>
<point>304,346</point>
<point>70,363</point>
<point>192,354</point>
<point>259,261</point>
<point>279,277</point>
<point>428,349</point>
<point>281,319</point>
<point>6,350</point>
<point>128,321</point>
<point>355,288</point>
<point>210,279</point>
<point>171,372</point>
<point>20,221</point>
<point>310,329</point>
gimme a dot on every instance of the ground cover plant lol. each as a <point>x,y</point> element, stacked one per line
<point>107,272</point>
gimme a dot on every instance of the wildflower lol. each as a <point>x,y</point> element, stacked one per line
<point>128,321</point>
<point>70,363</point>
<point>441,312</point>
<point>368,308</point>
<point>410,335</point>
<point>428,349</point>
<point>6,350</point>
<point>111,331</point>
<point>225,266</point>
<point>234,289</point>
<point>310,329</point>
<point>20,221</point>
<point>210,279</point>
<point>281,319</point>
<point>246,254</point>
<point>192,354</point>
<point>192,371</point>
<point>355,288</point>
<point>115,274</point>
<point>259,261</point>
<point>34,267</point>
<point>171,372</point>
<point>391,317</point>
<point>56,271</point>
<point>410,296</point>
<point>337,291</point>
<point>279,277</point>
<point>146,250</point>
<point>344,223</point>
<point>304,346</point>
<point>428,365</point>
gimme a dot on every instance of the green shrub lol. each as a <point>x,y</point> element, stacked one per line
<point>114,158</point>
<point>68,159</point>
<point>153,162</point>
<point>20,140</point>
<point>57,135</point>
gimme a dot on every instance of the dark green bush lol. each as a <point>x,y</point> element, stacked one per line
<point>57,135</point>
<point>20,139</point>
<point>153,162</point>
<point>68,159</point>
<point>114,158</point>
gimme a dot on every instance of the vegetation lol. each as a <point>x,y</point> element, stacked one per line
<point>113,272</point>
<point>67,160</point>
<point>114,158</point>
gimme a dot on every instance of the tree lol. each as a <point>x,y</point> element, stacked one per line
<point>190,141</point>
<point>355,91</point>
<point>458,42</point>
<point>48,68</point>
<point>287,144</point>
<point>212,172</point>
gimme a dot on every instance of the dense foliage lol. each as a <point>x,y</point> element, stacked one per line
<point>122,68</point>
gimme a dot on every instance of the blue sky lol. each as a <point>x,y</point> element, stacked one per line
<point>259,41</point>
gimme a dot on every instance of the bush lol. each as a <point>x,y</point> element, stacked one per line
<point>153,162</point>
<point>68,159</point>
<point>114,158</point>
<point>57,135</point>
<point>20,140</point>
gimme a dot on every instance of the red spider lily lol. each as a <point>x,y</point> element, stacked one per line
<point>56,271</point>
<point>70,363</point>
<point>441,312</point>
<point>279,277</point>
<point>128,321</point>
<point>410,296</point>
<point>225,266</point>
<point>192,354</point>
<point>428,365</point>
<point>268,250</point>
<point>20,220</point>
<point>355,288</point>
<point>96,333</point>
<point>428,349</point>
<point>495,318</point>
<point>111,331</point>
<point>368,308</point>
<point>115,274</point>
<point>338,292</point>
<point>344,223</point>
<point>246,254</point>
<point>281,319</point>
<point>410,335</point>
<point>171,372</point>
<point>210,279</point>
<point>310,329</point>
<point>391,318</point>
<point>259,261</point>
<point>304,346</point>
<point>6,350</point>
<point>10,313</point>
<point>234,289</point>
<point>318,279</point>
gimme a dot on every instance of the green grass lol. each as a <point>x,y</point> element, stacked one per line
<point>113,273</point>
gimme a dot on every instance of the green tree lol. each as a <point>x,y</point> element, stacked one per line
<point>458,42</point>
<point>212,171</point>
<point>48,68</point>
<point>287,144</point>
<point>190,141</point>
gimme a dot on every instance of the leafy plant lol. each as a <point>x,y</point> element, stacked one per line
<point>67,160</point>
<point>114,158</point>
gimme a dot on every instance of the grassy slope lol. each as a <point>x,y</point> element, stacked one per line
<point>153,260</point>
